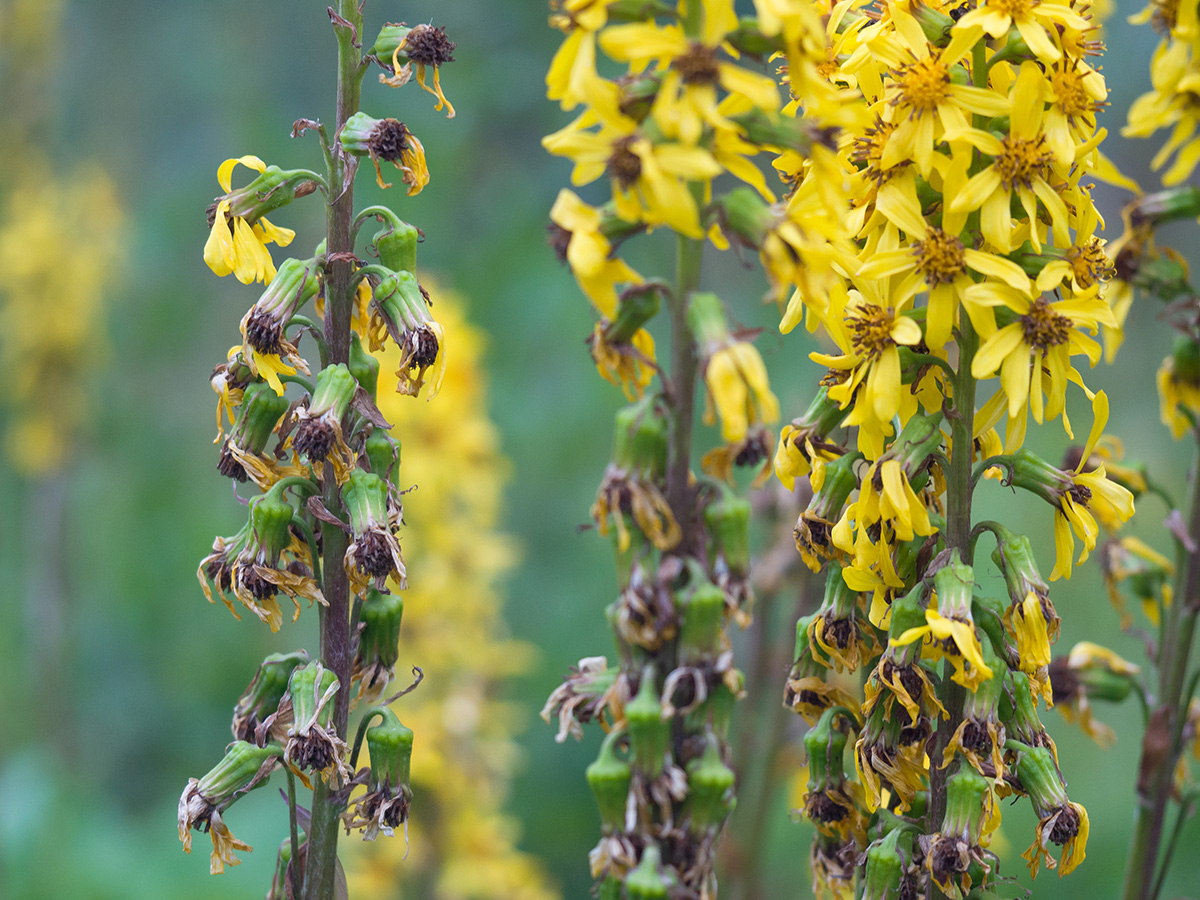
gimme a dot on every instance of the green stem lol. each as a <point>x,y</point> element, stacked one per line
<point>1162,744</point>
<point>958,537</point>
<point>339,293</point>
<point>684,368</point>
<point>293,867</point>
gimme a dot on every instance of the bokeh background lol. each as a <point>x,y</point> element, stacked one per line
<point>116,678</point>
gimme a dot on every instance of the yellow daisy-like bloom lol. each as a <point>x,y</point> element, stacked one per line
<point>1032,354</point>
<point>1093,493</point>
<point>1022,166</point>
<point>589,253</point>
<point>649,181</point>
<point>1038,23</point>
<point>869,336</point>
<point>696,67</point>
<point>1178,398</point>
<point>962,635</point>
<point>737,383</point>
<point>1036,629</point>
<point>572,72</point>
<point>239,247</point>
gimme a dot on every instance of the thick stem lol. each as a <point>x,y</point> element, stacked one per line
<point>958,537</point>
<point>339,294</point>
<point>684,365</point>
<point>1162,743</point>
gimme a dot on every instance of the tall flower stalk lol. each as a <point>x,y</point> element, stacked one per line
<point>325,529</point>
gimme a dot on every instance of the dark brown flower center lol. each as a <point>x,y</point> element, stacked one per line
<point>314,438</point>
<point>264,331</point>
<point>388,140</point>
<point>940,257</point>
<point>1021,160</point>
<point>624,165</point>
<point>228,465</point>
<point>429,46</point>
<point>1043,328</point>
<point>699,65</point>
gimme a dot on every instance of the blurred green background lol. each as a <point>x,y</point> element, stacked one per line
<point>159,92</point>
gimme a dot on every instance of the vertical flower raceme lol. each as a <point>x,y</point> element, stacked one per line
<point>327,525</point>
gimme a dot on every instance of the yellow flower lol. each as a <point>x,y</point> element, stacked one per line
<point>1178,398</point>
<point>236,246</point>
<point>572,73</point>
<point>589,253</point>
<point>737,382</point>
<point>630,366</point>
<point>1038,23</point>
<point>962,635</point>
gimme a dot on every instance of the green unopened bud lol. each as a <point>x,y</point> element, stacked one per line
<point>260,412</point>
<point>921,437</point>
<point>706,321</point>
<point>366,498</point>
<point>390,745</point>
<point>637,306</point>
<point>934,23</point>
<point>703,617</point>
<point>609,889</point>
<point>966,793</point>
<point>647,881</point>
<point>722,701</point>
<point>826,748</point>
<point>635,97</point>
<point>710,788</point>
<point>1166,206</point>
<point>749,39</point>
<point>270,523</point>
<point>383,452</point>
<point>363,366</point>
<point>334,391</point>
<point>1018,711</point>
<point>609,777</point>
<point>272,189</point>
<point>988,614</point>
<point>745,215</point>
<point>640,440</point>
<point>649,731</point>
<point>1015,559</point>
<point>1038,774</point>
<point>728,520</point>
<point>1032,473</point>
<point>379,640</point>
<point>261,697</point>
<point>403,307</point>
<point>885,866</point>
<point>635,549</point>
<point>955,586</point>
<point>840,481</point>
<point>396,242</point>
<point>244,767</point>
<point>638,10</point>
<point>788,133</point>
<point>907,612</point>
<point>308,686</point>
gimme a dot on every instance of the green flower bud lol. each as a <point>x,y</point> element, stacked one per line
<point>422,44</point>
<point>318,428</point>
<point>728,520</point>
<point>609,777</point>
<point>907,612</point>
<point>379,639</point>
<point>366,499</point>
<point>609,889</point>
<point>244,767</point>
<point>955,586</point>
<point>308,686</point>
<point>721,702</point>
<point>260,411</point>
<point>706,321</point>
<point>334,391</point>
<point>1186,360</point>
<point>1018,711</point>
<point>710,788</point>
<point>649,731</point>
<point>1038,774</point>
<point>396,243</point>
<point>703,617</point>
<point>797,134</point>
<point>1014,558</point>
<point>935,24</point>
<point>966,794</point>
<point>261,697</point>
<point>634,551</point>
<point>746,216</point>
<point>270,523</point>
<point>840,481</point>
<point>272,189</point>
<point>885,869</point>
<point>749,39</point>
<point>637,306</point>
<point>280,890</point>
<point>1032,473</point>
<point>363,135</point>
<point>921,437</point>
<point>363,366</point>
<point>383,453</point>
<point>390,745</point>
<point>826,749</point>
<point>1170,205</point>
<point>640,440</point>
<point>647,881</point>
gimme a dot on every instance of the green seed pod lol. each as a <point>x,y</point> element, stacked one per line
<point>703,617</point>
<point>261,697</point>
<point>610,888</point>
<point>390,745</point>
<point>710,788</point>
<point>383,452</point>
<point>640,440</point>
<point>334,391</point>
<point>649,732</point>
<point>907,612</point>
<point>609,777</point>
<point>706,320</point>
<point>966,791</point>
<point>1170,205</point>
<point>243,768</point>
<point>721,702</point>
<point>826,748</point>
<point>885,867</point>
<point>745,215</point>
<point>913,446</point>
<point>1039,778</point>
<point>647,881</point>
<point>307,686</point>
<point>1015,559</point>
<point>379,640</point>
<point>363,366</point>
<point>270,523</point>
<point>728,520</point>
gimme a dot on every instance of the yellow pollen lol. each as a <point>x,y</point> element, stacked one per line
<point>1017,9</point>
<point>869,151</point>
<point>924,84</point>
<point>1043,328</point>
<point>940,257</point>
<point>870,330</point>
<point>1073,100</point>
<point>1021,160</point>
<point>1090,263</point>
